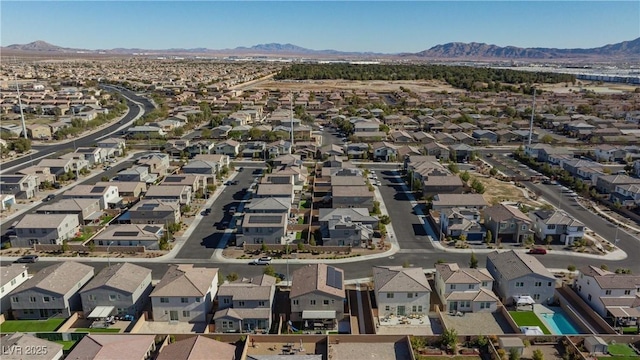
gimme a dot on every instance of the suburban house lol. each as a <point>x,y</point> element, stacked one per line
<point>137,174</point>
<point>114,346</point>
<point>355,196</point>
<point>114,146</point>
<point>559,225</point>
<point>465,289</point>
<point>317,296</point>
<point>11,276</point>
<point>123,288</point>
<point>51,291</point>
<point>16,346</point>
<point>108,196</point>
<point>273,205</point>
<point>207,168</point>
<point>245,305</point>
<point>129,191</point>
<point>449,184</point>
<point>93,155</point>
<point>606,184</point>
<point>260,228</point>
<point>87,210</point>
<point>626,195</point>
<point>197,347</point>
<point>166,193</point>
<point>465,201</point>
<point>21,186</point>
<point>609,153</point>
<point>131,235</point>
<point>609,294</point>
<point>459,222</point>
<point>401,291</point>
<point>195,181</point>
<point>507,223</point>
<point>157,163</point>
<point>185,293</point>
<point>346,226</point>
<point>518,274</point>
<point>266,190</point>
<point>229,147</point>
<point>45,229</point>
<point>42,174</point>
<point>57,166</point>
<point>148,211</point>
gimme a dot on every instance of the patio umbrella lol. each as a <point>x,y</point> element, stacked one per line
<point>306,324</point>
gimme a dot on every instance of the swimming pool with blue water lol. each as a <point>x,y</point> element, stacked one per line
<point>560,324</point>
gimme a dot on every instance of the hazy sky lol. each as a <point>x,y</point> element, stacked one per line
<point>378,26</point>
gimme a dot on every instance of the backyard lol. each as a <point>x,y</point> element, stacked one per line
<point>620,352</point>
<point>528,318</point>
<point>66,344</point>
<point>98,330</point>
<point>11,326</point>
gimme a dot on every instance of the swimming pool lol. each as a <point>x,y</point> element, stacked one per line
<point>559,323</point>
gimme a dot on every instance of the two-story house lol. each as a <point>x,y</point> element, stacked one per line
<point>356,196</point>
<point>245,305</point>
<point>317,296</point>
<point>52,291</point>
<point>559,225</point>
<point>114,346</point>
<point>272,205</point>
<point>149,211</point>
<point>507,223</point>
<point>185,294</point>
<point>166,193</point>
<point>45,229</point>
<point>108,196</point>
<point>229,147</point>
<point>260,228</point>
<point>87,210</point>
<point>517,274</point>
<point>11,276</point>
<point>113,146</point>
<point>609,294</point>
<point>197,347</point>
<point>131,235</point>
<point>21,186</point>
<point>124,288</point>
<point>401,291</point>
<point>465,289</point>
<point>458,222</point>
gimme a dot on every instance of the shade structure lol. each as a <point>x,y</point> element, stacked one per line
<point>101,312</point>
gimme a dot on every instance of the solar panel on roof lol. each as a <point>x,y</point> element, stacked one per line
<point>125,233</point>
<point>172,179</point>
<point>334,278</point>
<point>264,219</point>
<point>149,206</point>
<point>97,189</point>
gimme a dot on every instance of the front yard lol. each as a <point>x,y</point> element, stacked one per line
<point>528,318</point>
<point>11,326</point>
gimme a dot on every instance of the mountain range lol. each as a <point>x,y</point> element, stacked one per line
<point>452,51</point>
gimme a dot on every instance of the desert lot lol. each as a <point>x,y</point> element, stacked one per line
<point>418,86</point>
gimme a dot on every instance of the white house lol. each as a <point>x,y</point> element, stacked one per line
<point>557,224</point>
<point>401,291</point>
<point>11,276</point>
<point>465,290</point>
<point>609,294</point>
<point>185,293</point>
<point>108,196</point>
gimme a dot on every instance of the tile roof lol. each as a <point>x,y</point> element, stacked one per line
<point>451,273</point>
<point>185,280</point>
<point>126,277</point>
<point>24,342</point>
<point>44,221</point>
<point>512,265</point>
<point>112,346</point>
<point>398,279</point>
<point>610,280</point>
<point>196,348</point>
<point>258,288</point>
<point>10,272</point>
<point>502,212</point>
<point>313,278</point>
<point>59,278</point>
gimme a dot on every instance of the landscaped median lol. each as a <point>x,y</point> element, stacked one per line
<point>12,326</point>
<point>529,318</point>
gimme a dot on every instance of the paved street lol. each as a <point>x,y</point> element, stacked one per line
<point>206,237</point>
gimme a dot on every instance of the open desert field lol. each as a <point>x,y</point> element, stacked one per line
<point>418,86</point>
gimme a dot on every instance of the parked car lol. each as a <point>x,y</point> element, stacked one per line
<point>232,210</point>
<point>49,197</point>
<point>222,225</point>
<point>28,259</point>
<point>538,251</point>
<point>265,260</point>
<point>206,212</point>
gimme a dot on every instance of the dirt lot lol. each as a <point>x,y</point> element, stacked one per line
<point>418,86</point>
<point>592,86</point>
<point>497,191</point>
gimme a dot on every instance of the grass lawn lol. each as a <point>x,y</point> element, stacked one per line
<point>98,330</point>
<point>528,318</point>
<point>304,204</point>
<point>301,220</point>
<point>67,345</point>
<point>621,350</point>
<point>298,235</point>
<point>630,330</point>
<point>106,219</point>
<point>11,326</point>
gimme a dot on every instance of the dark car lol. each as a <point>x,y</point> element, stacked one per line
<point>538,251</point>
<point>223,225</point>
<point>28,259</point>
<point>206,212</point>
<point>49,197</point>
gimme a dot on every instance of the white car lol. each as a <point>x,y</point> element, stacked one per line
<point>265,260</point>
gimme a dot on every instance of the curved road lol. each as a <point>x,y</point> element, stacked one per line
<point>45,151</point>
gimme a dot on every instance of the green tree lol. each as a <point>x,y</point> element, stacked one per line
<point>571,267</point>
<point>65,246</point>
<point>300,246</point>
<point>548,240</point>
<point>449,338</point>
<point>233,276</point>
<point>538,354</point>
<point>385,219</point>
<point>269,270</point>
<point>473,261</point>
<point>514,354</point>
<point>604,267</point>
<point>489,237</point>
<point>264,248</point>
<point>546,139</point>
<point>465,176</point>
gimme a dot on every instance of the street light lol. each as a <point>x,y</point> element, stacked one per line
<point>108,254</point>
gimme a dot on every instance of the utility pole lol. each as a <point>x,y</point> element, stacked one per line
<point>291,106</point>
<point>533,110</point>
<point>24,126</point>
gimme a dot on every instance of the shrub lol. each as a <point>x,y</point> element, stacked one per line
<point>571,267</point>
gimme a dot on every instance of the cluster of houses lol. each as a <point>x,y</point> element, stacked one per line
<point>144,200</point>
<point>66,104</point>
<point>599,172</point>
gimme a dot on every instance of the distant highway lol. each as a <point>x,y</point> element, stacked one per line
<point>45,151</point>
